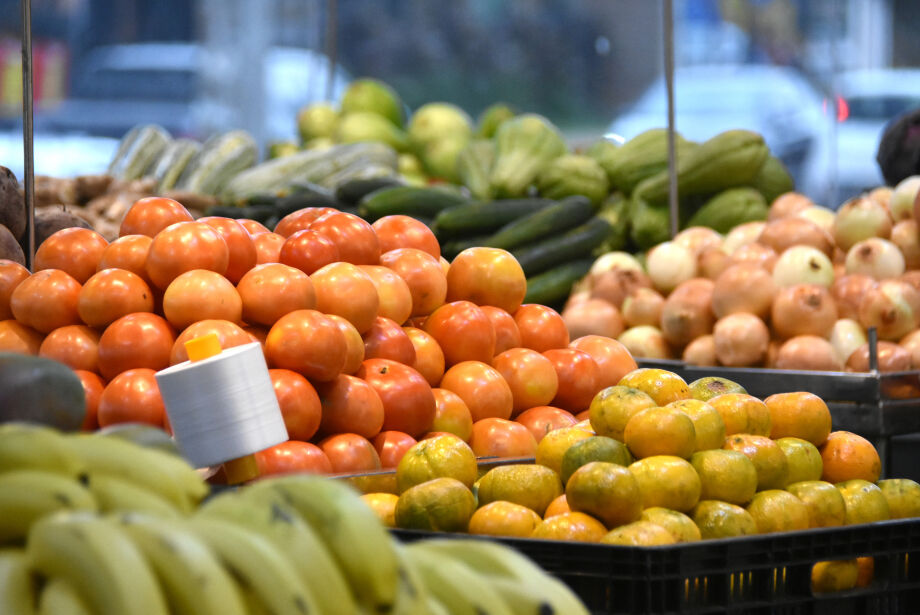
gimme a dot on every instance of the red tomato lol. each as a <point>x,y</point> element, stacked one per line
<point>242,250</point>
<point>452,414</point>
<point>578,377</point>
<point>350,453</point>
<point>16,337</point>
<point>200,294</point>
<point>353,236</point>
<point>541,327</point>
<point>293,457</point>
<point>540,420</point>
<point>46,300</point>
<point>132,396</point>
<point>391,446</point>
<point>254,228</point>
<point>229,334</point>
<point>429,358</point>
<point>300,220</point>
<point>93,386</point>
<point>350,405</point>
<point>11,274</point>
<point>354,344</point>
<point>183,247</point>
<point>423,274</point>
<point>268,247</point>
<point>150,215</point>
<point>76,346</point>
<point>482,389</point>
<point>133,341</point>
<point>408,403</point>
<point>393,292</point>
<point>128,253</point>
<point>531,377</point>
<point>112,293</point>
<point>387,340</point>
<point>309,343</point>
<point>299,403</point>
<point>495,437</point>
<point>487,276</point>
<point>400,231</point>
<point>271,290</point>
<point>343,289</point>
<point>507,335</point>
<point>463,331</point>
<point>612,358</point>
<point>75,250</point>
<point>308,251</point>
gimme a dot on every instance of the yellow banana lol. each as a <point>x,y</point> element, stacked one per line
<point>29,495</point>
<point>115,494</point>
<point>59,597</point>
<point>17,588</point>
<point>99,560</point>
<point>37,447</point>
<point>412,597</point>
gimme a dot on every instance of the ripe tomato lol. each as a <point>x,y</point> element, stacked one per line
<point>300,220</point>
<point>258,334</point>
<point>46,300</point>
<point>422,273</point>
<point>11,274</point>
<point>93,386</point>
<point>391,446</point>
<point>76,346</point>
<point>507,335</point>
<point>308,251</point>
<point>182,247</point>
<point>150,215</point>
<point>353,236</point>
<point>135,340</point>
<point>128,253</point>
<point>309,343</point>
<point>531,377</point>
<point>429,358</point>
<point>350,405</point>
<point>463,331</point>
<point>482,389</point>
<point>299,403</point>
<point>387,340</point>
<point>541,327</point>
<point>75,250</point>
<point>242,250</point>
<point>293,457</point>
<point>132,396</point>
<point>540,420</point>
<point>452,414</point>
<point>408,403</point>
<point>200,294</point>
<point>578,377</point>
<point>229,334</point>
<point>612,358</point>
<point>254,228</point>
<point>268,247</point>
<point>495,437</point>
<point>112,293</point>
<point>271,290</point>
<point>392,291</point>
<point>350,453</point>
<point>487,276</point>
<point>16,337</point>
<point>354,344</point>
<point>400,231</point>
<point>343,289</point>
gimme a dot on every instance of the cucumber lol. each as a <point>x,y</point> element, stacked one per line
<point>352,191</point>
<point>409,201</point>
<point>450,249</point>
<point>482,217</point>
<point>138,151</point>
<point>221,158</point>
<point>552,287</point>
<point>560,216</point>
<point>172,162</point>
<point>576,243</point>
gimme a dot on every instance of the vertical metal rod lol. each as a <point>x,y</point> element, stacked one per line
<point>332,26</point>
<point>27,136</point>
<point>873,349</point>
<point>669,85</point>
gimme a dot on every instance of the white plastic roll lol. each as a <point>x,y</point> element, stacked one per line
<point>222,407</point>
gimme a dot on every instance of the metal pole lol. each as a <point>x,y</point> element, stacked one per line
<point>669,85</point>
<point>873,350</point>
<point>332,26</point>
<point>27,142</point>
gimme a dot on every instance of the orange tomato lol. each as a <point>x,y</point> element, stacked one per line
<point>350,405</point>
<point>451,414</point>
<point>293,457</point>
<point>392,291</point>
<point>391,446</point>
<point>182,247</point>
<point>422,273</point>
<point>93,386</point>
<point>487,276</point>
<point>300,220</point>
<point>350,453</point>
<point>132,396</point>
<point>482,389</point>
<point>150,215</point>
<point>408,403</point>
<point>343,289</point>
<point>540,420</point>
<point>308,251</point>
<point>253,227</point>
<point>134,341</point>
<point>229,334</point>
<point>541,327</point>
<point>46,300</point>
<point>242,251</point>
<point>11,274</point>
<point>128,253</point>
<point>75,250</point>
<point>268,247</point>
<point>530,375</point>
<point>463,331</point>
<point>309,343</point>
<point>495,437</point>
<point>398,231</point>
<point>271,290</point>
<point>76,346</point>
<point>429,358</point>
<point>578,376</point>
<point>299,403</point>
<point>353,236</point>
<point>354,344</point>
<point>112,293</point>
<point>612,358</point>
<point>200,294</point>
<point>16,337</point>
<point>507,335</point>
<point>387,340</point>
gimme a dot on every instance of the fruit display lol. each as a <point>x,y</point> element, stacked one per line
<point>798,291</point>
<point>94,523</point>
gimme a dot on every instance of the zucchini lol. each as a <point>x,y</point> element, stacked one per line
<point>220,159</point>
<point>138,151</point>
<point>409,201</point>
<point>576,243</point>
<point>353,190</point>
<point>552,287</point>
<point>172,162</point>
<point>482,217</point>
<point>560,216</point>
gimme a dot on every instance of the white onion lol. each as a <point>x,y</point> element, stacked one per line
<point>642,307</point>
<point>646,342</point>
<point>740,340</point>
<point>788,204</point>
<point>745,287</point>
<point>822,216</point>
<point>892,307</point>
<point>905,235</point>
<point>846,336</point>
<point>860,218</point>
<point>701,351</point>
<point>615,260</point>
<point>901,203</point>
<point>803,265</point>
<point>803,309</point>
<point>808,352</point>
<point>875,257</point>
<point>742,234</point>
<point>698,238</point>
<point>669,264</point>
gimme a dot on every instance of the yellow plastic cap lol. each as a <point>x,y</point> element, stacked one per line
<point>200,348</point>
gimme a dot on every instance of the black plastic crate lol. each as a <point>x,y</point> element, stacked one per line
<point>762,574</point>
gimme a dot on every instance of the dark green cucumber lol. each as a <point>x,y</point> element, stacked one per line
<point>561,216</point>
<point>483,217</point>
<point>259,213</point>
<point>352,191</point>
<point>576,243</point>
<point>450,249</point>
<point>553,286</point>
<point>408,201</point>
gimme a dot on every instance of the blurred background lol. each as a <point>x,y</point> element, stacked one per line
<point>819,79</point>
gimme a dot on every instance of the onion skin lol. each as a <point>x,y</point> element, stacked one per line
<point>614,260</point>
<point>905,235</point>
<point>740,340</point>
<point>755,253</point>
<point>876,257</point>
<point>745,287</point>
<point>803,309</point>
<point>860,218</point>
<point>912,278</point>
<point>742,235</point>
<point>808,352</point>
<point>642,307</point>
<point>614,285</point>
<point>701,351</point>
<point>645,342</point>
<point>698,238</point>
<point>788,204</point>
<point>848,292</point>
<point>687,312</point>
<point>892,307</point>
<point>593,317</point>
<point>785,233</point>
<point>911,343</point>
<point>803,265</point>
<point>891,358</point>
<point>712,261</point>
<point>668,264</point>
<point>846,336</point>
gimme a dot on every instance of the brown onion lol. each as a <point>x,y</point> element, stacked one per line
<point>701,351</point>
<point>892,307</point>
<point>742,235</point>
<point>905,235</point>
<point>860,218</point>
<point>645,342</point>
<point>711,262</point>
<point>745,287</point>
<point>642,307</point>
<point>912,278</point>
<point>808,352</point>
<point>891,358</point>
<point>911,342</point>
<point>593,317</point>
<point>756,253</point>
<point>772,352</point>
<point>687,312</point>
<point>883,195</point>
<point>787,232</point>
<point>788,204</point>
<point>876,257</point>
<point>698,238</point>
<point>848,292</point>
<point>740,340</point>
<point>803,309</point>
<point>576,297</point>
<point>614,284</point>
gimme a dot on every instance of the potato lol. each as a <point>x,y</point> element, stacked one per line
<point>10,248</point>
<point>91,186</point>
<point>52,219</point>
<point>12,205</point>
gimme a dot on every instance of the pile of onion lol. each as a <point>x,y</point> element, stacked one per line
<point>740,340</point>
<point>646,342</point>
<point>794,231</point>
<point>803,309</point>
<point>687,312</point>
<point>745,287</point>
<point>892,307</point>
<point>808,352</point>
<point>860,218</point>
<point>613,285</point>
<point>642,307</point>
<point>891,358</point>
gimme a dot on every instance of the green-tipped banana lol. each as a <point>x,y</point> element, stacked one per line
<point>98,559</point>
<point>413,597</point>
<point>258,564</point>
<point>352,532</point>
<point>290,534</point>
<point>115,494</point>
<point>59,597</point>
<point>17,588</point>
<point>193,579</point>
<point>28,495</point>
<point>26,446</point>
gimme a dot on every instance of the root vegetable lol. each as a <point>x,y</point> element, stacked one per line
<point>745,287</point>
<point>891,358</point>
<point>615,260</point>
<point>803,265</point>
<point>687,312</point>
<point>905,235</point>
<point>808,352</point>
<point>645,342</point>
<point>668,264</point>
<point>712,261</point>
<point>803,309</point>
<point>742,235</point>
<point>901,202</point>
<point>911,342</point>
<point>593,317</point>
<point>701,351</point>
<point>848,292</point>
<point>892,307</point>
<point>875,257</point>
<point>860,218</point>
<point>756,253</point>
<point>788,204</point>
<point>615,284</point>
<point>698,238</point>
<point>786,233</point>
<point>643,307</point>
<point>846,336</point>
<point>740,340</point>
